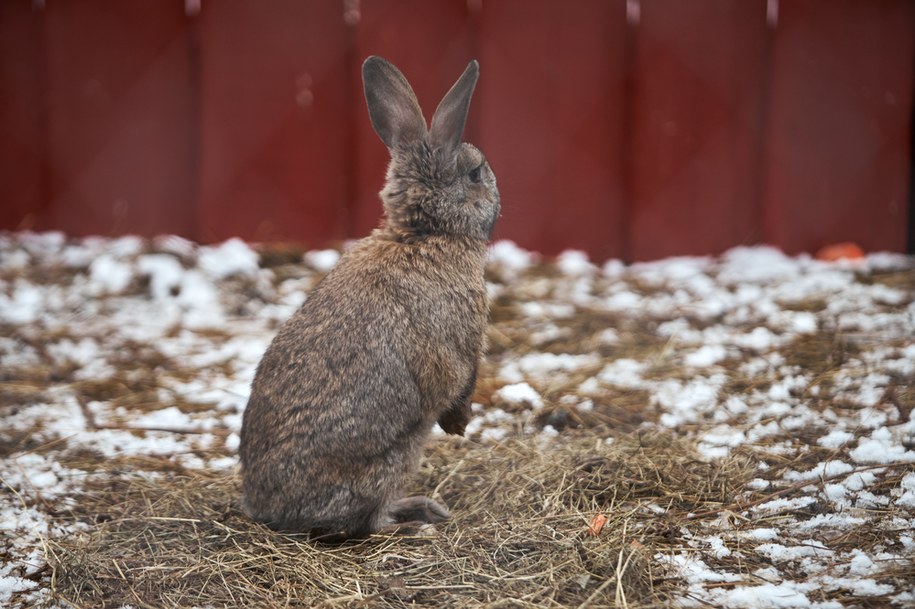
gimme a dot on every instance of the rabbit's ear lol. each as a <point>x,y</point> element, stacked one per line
<point>451,114</point>
<point>392,104</point>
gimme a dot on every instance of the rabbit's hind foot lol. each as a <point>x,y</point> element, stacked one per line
<point>418,509</point>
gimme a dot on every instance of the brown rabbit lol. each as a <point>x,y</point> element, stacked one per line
<point>387,344</point>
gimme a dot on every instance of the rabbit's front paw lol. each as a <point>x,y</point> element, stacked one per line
<point>454,420</point>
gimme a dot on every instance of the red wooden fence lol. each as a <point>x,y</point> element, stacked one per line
<point>628,128</point>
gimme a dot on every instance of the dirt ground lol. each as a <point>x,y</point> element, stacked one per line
<point>730,431</point>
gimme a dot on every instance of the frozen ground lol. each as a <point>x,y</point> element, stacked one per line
<point>138,352</point>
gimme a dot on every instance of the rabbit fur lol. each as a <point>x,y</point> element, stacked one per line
<point>387,344</point>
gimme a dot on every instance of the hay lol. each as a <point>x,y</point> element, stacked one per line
<point>518,537</point>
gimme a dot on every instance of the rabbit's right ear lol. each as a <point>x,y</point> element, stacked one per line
<point>393,108</point>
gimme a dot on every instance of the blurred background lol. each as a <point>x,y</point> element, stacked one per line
<point>630,129</point>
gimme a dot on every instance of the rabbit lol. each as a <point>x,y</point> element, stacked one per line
<point>387,344</point>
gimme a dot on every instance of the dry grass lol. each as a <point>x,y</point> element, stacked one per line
<point>518,537</point>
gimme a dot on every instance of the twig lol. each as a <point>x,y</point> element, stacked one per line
<point>620,569</point>
<point>96,426</point>
<point>735,507</point>
<point>595,594</point>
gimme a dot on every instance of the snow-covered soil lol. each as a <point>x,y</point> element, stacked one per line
<point>144,350</point>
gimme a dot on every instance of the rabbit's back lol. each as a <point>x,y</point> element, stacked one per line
<point>348,389</point>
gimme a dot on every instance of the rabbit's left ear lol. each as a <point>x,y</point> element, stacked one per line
<point>392,105</point>
<point>451,114</point>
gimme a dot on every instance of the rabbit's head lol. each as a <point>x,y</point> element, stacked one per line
<point>436,185</point>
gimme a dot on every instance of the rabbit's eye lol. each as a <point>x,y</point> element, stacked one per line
<point>475,174</point>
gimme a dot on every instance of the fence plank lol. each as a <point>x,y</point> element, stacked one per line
<point>552,105</point>
<point>274,96</point>
<point>22,141</point>
<point>696,120</point>
<point>838,141</point>
<point>430,42</point>
<point>120,119</point>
